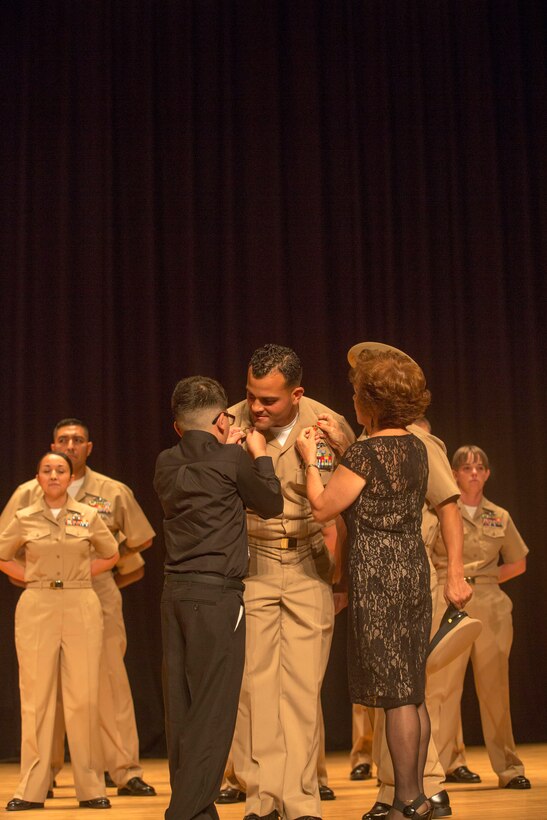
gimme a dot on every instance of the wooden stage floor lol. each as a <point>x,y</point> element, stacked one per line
<point>484,801</point>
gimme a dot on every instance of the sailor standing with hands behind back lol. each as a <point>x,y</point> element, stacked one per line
<point>58,626</point>
<point>489,534</point>
<point>118,509</point>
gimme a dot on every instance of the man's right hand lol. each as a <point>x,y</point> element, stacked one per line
<point>235,436</point>
<point>256,443</point>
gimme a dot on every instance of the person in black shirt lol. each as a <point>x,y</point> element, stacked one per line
<point>204,486</point>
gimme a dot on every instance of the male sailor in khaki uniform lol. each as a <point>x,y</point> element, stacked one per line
<point>118,508</point>
<point>489,533</point>
<point>441,495</point>
<point>288,603</point>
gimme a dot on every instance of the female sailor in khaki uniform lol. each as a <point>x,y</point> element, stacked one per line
<point>58,625</point>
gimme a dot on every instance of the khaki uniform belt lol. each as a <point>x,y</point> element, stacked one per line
<point>473,579</point>
<point>58,584</point>
<point>481,579</point>
<point>289,543</point>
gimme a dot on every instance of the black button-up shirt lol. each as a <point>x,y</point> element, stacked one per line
<point>204,487</point>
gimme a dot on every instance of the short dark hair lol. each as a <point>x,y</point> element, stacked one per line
<point>70,423</point>
<point>275,357</point>
<point>61,455</point>
<point>196,393</point>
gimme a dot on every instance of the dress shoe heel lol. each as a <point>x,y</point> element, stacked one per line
<point>440,803</point>
<point>462,775</point>
<point>16,804</point>
<point>136,787</point>
<point>96,803</point>
<point>326,793</point>
<point>518,782</point>
<point>231,795</point>
<point>361,772</point>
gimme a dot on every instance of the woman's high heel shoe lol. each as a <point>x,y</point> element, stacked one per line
<point>411,809</point>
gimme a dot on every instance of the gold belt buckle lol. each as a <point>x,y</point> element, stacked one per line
<point>58,584</point>
<point>284,543</point>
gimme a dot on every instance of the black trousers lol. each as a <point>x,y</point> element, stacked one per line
<point>203,632</point>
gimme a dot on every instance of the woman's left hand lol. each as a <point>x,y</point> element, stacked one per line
<point>305,444</point>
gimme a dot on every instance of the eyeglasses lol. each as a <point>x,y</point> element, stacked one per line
<point>229,416</point>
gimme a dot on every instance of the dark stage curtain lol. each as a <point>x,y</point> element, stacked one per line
<point>185,181</point>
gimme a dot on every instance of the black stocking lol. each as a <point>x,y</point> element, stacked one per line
<point>407,732</point>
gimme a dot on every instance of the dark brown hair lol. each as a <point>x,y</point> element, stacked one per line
<point>61,455</point>
<point>461,456</point>
<point>272,357</point>
<point>392,386</point>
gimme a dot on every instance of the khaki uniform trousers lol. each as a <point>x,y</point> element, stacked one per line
<point>58,635</point>
<point>231,779</point>
<point>361,732</point>
<point>119,738</point>
<point>489,655</point>
<point>290,617</point>
<point>362,719</point>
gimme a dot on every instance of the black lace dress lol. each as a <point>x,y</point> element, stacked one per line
<point>389,597</point>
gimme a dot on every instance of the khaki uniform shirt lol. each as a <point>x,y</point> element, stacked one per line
<point>57,548</point>
<point>441,484</point>
<point>489,534</point>
<point>296,520</point>
<point>113,501</point>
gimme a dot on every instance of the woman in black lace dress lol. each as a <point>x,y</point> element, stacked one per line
<point>380,486</point>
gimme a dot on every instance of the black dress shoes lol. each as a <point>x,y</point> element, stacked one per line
<point>308,817</point>
<point>22,805</point>
<point>326,793</point>
<point>273,815</point>
<point>231,795</point>
<point>518,782</point>
<point>136,787</point>
<point>361,772</point>
<point>440,804</point>
<point>462,775</point>
<point>377,811</point>
<point>96,803</point>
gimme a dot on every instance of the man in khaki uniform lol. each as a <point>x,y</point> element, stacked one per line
<point>489,533</point>
<point>289,605</point>
<point>118,508</point>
